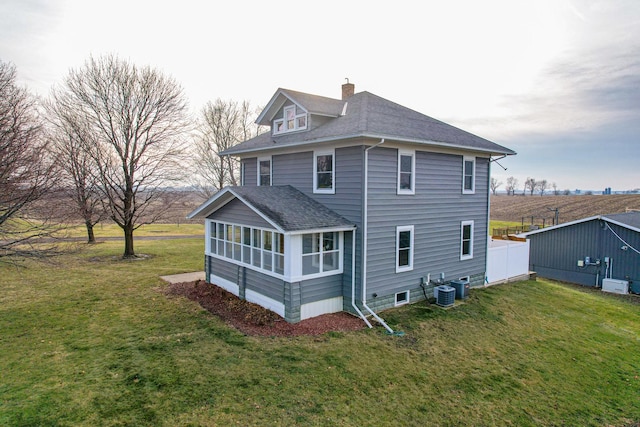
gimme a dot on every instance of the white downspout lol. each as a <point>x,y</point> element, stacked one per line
<point>365,237</point>
<point>353,280</point>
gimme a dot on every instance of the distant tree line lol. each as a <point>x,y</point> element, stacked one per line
<point>531,186</point>
<point>111,140</point>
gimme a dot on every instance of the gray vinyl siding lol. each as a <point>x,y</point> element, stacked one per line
<point>297,170</point>
<point>221,268</point>
<point>320,288</point>
<point>250,171</point>
<point>555,253</point>
<point>269,286</point>
<point>294,169</point>
<point>236,212</point>
<point>436,211</point>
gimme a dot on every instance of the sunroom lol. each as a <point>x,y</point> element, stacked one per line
<point>276,247</point>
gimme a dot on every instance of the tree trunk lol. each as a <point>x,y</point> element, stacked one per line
<point>128,242</point>
<point>90,235</point>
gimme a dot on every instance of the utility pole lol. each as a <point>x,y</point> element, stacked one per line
<point>557,213</point>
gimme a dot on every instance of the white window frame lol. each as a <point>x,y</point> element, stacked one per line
<point>406,301</point>
<point>283,122</point>
<point>235,242</point>
<point>316,154</point>
<point>263,159</point>
<point>412,154</point>
<point>464,256</point>
<point>472,190</point>
<point>338,251</point>
<point>409,267</point>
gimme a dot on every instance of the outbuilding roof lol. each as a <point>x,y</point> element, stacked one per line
<point>284,207</point>
<point>630,220</point>
<point>364,115</point>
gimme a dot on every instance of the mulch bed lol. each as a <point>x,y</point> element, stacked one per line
<point>252,319</point>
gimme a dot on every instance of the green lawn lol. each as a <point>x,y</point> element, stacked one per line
<point>110,229</point>
<point>92,340</point>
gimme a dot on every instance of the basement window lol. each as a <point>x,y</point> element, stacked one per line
<point>402,298</point>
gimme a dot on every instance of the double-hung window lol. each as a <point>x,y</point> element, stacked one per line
<point>406,172</point>
<point>324,172</point>
<point>404,248</point>
<point>466,240</point>
<point>264,171</point>
<point>468,175</point>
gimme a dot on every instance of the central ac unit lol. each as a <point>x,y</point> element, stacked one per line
<point>445,296</point>
<point>615,286</point>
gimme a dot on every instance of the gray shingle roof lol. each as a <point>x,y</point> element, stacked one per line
<point>368,115</point>
<point>285,207</point>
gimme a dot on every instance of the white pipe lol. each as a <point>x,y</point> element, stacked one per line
<point>353,279</point>
<point>365,236</point>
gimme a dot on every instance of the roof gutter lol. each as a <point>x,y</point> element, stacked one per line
<point>365,238</point>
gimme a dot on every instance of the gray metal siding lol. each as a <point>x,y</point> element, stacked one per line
<point>555,253</point>
<point>250,171</point>
<point>236,212</point>
<point>436,212</point>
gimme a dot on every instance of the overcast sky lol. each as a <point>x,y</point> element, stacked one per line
<point>557,81</point>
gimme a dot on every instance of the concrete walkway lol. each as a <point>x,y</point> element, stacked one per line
<point>184,277</point>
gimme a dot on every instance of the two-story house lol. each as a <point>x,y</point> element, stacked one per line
<point>356,204</point>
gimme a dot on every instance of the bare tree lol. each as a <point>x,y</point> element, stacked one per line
<point>512,184</point>
<point>542,186</point>
<point>70,136</point>
<point>556,190</point>
<point>27,173</point>
<point>495,184</point>
<point>136,120</point>
<point>530,185</point>
<point>222,125</point>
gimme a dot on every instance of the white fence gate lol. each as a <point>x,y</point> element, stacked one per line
<point>506,260</point>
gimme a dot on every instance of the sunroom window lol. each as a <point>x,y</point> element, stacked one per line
<point>320,253</point>
<point>251,246</point>
<point>293,119</point>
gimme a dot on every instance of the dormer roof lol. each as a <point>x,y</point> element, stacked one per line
<point>313,104</point>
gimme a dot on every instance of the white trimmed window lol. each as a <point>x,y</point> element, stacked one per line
<point>264,171</point>
<point>406,171</point>
<point>402,298</point>
<point>466,240</point>
<point>292,119</point>
<point>260,248</point>
<point>468,175</point>
<point>404,248</point>
<point>324,172</point>
<point>320,253</point>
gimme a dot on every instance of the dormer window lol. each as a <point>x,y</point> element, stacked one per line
<point>291,120</point>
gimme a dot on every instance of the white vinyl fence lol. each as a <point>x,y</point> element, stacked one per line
<point>506,260</point>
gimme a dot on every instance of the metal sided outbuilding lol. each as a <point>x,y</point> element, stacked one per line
<point>589,250</point>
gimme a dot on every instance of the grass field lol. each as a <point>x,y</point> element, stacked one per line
<point>92,340</point>
<point>110,229</point>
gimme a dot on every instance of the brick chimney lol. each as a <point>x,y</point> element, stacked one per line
<point>348,90</point>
